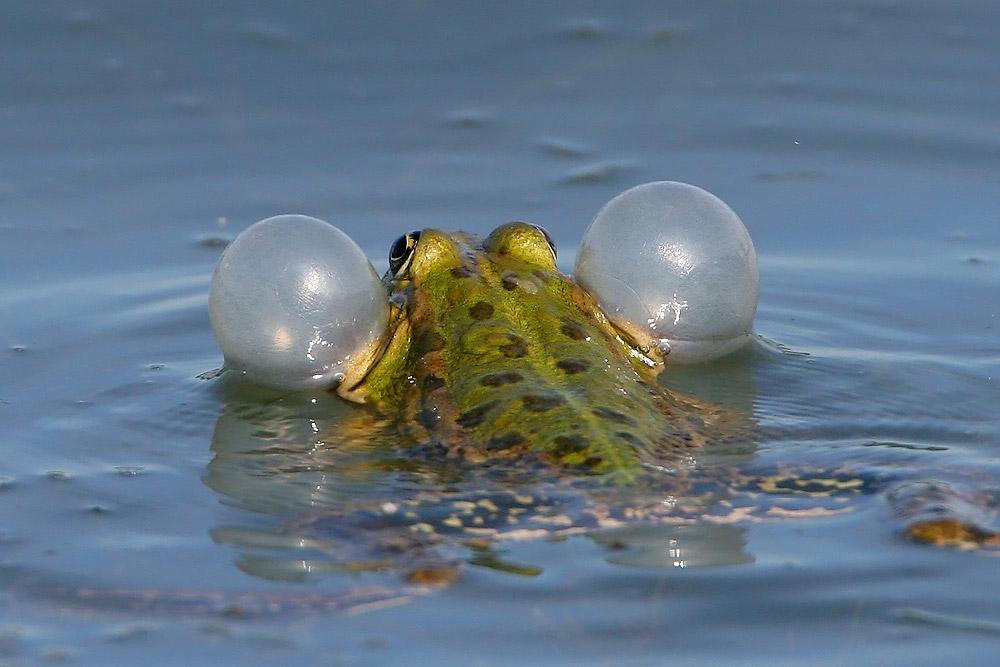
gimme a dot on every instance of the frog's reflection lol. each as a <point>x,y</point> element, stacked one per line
<point>314,507</point>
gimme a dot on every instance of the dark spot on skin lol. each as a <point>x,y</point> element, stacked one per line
<point>481,311</point>
<point>630,438</point>
<point>569,444</point>
<point>533,403</point>
<point>593,462</point>
<point>432,383</point>
<point>613,416</point>
<point>432,342</point>
<point>463,272</point>
<point>573,330</point>
<point>476,416</point>
<point>506,441</point>
<point>572,366</point>
<point>509,283</point>
<point>515,349</point>
<point>500,379</point>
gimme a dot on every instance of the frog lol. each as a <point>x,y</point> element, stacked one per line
<point>517,408</point>
<point>496,354</point>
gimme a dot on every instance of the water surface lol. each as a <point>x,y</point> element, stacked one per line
<point>857,140</point>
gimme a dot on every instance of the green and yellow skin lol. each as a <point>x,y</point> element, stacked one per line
<point>495,353</point>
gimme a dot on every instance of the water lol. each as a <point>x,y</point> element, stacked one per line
<point>857,140</point>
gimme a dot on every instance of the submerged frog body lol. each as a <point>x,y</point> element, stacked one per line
<point>494,353</point>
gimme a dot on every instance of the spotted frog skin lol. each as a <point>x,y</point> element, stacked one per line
<point>494,353</point>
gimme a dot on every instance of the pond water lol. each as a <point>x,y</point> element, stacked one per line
<point>857,140</point>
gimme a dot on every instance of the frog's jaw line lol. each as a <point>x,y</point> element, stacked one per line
<point>374,376</point>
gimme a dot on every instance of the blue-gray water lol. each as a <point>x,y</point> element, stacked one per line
<point>857,140</point>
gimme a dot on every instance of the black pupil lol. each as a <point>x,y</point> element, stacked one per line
<point>401,250</point>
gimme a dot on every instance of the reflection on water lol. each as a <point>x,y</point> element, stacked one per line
<point>328,493</point>
<point>325,503</point>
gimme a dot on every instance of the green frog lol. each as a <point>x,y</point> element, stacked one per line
<point>496,354</point>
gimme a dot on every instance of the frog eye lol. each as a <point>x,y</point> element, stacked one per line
<point>548,239</point>
<point>401,253</point>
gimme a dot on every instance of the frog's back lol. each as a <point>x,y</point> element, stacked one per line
<point>528,363</point>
